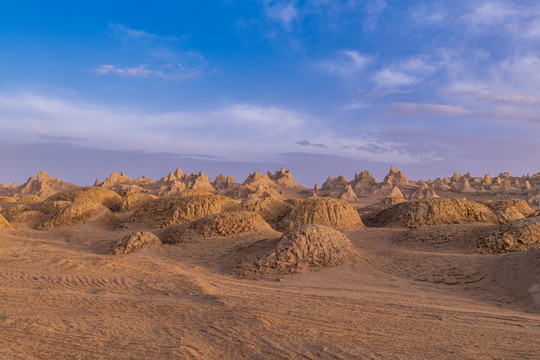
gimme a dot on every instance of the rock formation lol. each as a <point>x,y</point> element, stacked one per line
<point>78,213</point>
<point>304,247</point>
<point>517,235</point>
<point>335,213</point>
<point>431,212</point>
<point>220,225</point>
<point>348,195</point>
<point>178,209</point>
<point>133,243</point>
<point>4,224</point>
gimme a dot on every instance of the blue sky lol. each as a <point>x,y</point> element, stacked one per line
<point>430,86</point>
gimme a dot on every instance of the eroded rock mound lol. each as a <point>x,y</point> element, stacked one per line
<point>509,210</point>
<point>223,224</point>
<point>335,213</point>
<point>518,235</point>
<point>133,243</point>
<point>132,200</point>
<point>53,206</point>
<point>27,216</point>
<point>307,246</point>
<point>179,209</point>
<point>431,212</point>
<point>30,199</point>
<point>104,196</point>
<point>10,212</point>
<point>4,224</point>
<point>77,213</point>
<point>271,208</point>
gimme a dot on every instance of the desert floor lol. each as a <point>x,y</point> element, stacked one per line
<point>63,296</point>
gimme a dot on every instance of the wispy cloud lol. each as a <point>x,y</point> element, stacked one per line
<point>156,56</point>
<point>405,73</point>
<point>347,63</point>
<point>123,31</point>
<point>169,71</point>
<point>392,78</point>
<point>285,14</point>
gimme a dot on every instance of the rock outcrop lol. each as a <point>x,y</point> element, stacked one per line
<point>305,247</point>
<point>519,235</point>
<point>4,224</point>
<point>431,212</point>
<point>133,243</point>
<point>335,213</point>
<point>216,225</point>
<point>78,213</point>
<point>104,196</point>
<point>178,209</point>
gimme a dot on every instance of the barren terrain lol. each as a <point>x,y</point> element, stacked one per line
<point>429,292</point>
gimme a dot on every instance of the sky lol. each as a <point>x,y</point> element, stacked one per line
<point>322,87</point>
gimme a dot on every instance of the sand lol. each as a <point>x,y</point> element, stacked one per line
<point>64,296</point>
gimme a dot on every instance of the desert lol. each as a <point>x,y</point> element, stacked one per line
<point>270,179</point>
<point>186,267</point>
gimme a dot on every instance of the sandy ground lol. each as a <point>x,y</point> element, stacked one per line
<point>63,297</point>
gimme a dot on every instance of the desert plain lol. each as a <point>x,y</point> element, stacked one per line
<point>189,268</point>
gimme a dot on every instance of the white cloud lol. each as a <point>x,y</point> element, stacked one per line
<point>285,14</point>
<point>162,57</point>
<point>168,71</point>
<point>490,13</point>
<point>246,132</point>
<point>348,63</point>
<point>390,78</point>
<point>225,131</point>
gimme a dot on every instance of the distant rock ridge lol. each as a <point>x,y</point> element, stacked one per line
<point>281,184</point>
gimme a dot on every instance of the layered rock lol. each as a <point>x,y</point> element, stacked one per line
<point>78,213</point>
<point>431,212</point>
<point>178,209</point>
<point>335,213</point>
<point>306,247</point>
<point>216,225</point>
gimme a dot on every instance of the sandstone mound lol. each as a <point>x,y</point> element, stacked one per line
<point>132,200</point>
<point>30,199</point>
<point>178,209</point>
<point>349,194</point>
<point>10,212</point>
<point>4,223</point>
<point>431,212</point>
<point>271,208</point>
<point>77,213</point>
<point>224,224</point>
<point>104,196</point>
<point>335,213</point>
<point>395,197</point>
<point>194,192</point>
<point>133,243</point>
<point>27,216</point>
<point>518,235</point>
<point>306,247</point>
<point>509,210</point>
<point>53,206</point>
